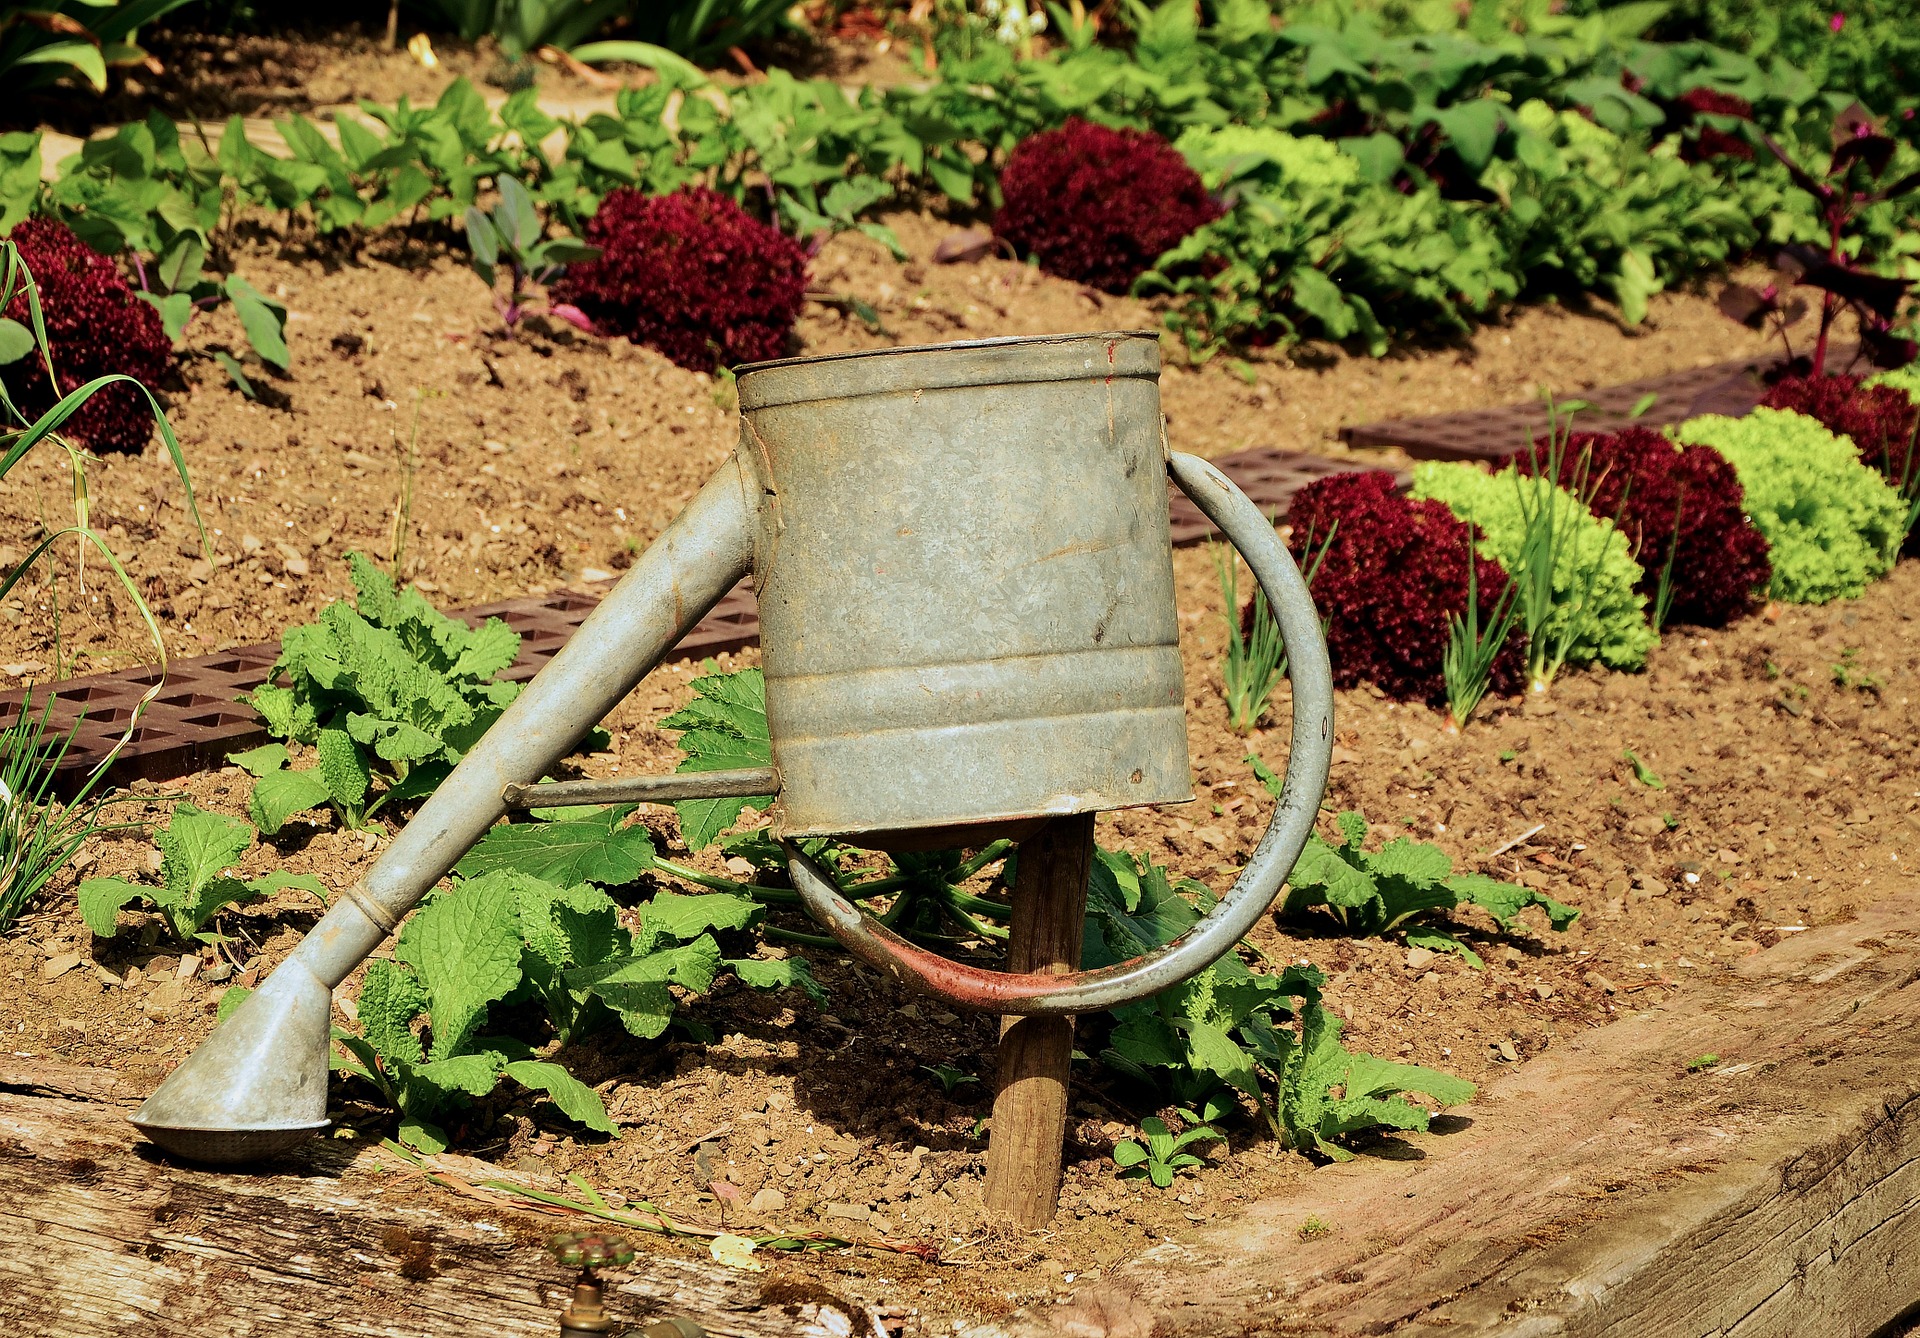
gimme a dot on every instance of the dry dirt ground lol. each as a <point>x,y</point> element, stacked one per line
<point>1783,746</point>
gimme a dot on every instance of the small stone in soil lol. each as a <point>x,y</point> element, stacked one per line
<point>852,1212</point>
<point>1419,959</point>
<point>768,1200</point>
<point>55,967</point>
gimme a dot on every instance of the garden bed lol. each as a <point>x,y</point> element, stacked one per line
<point>550,457</point>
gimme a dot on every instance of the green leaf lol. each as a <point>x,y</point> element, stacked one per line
<point>724,727</point>
<point>195,846</point>
<point>593,850</point>
<point>269,883</point>
<point>1213,1051</point>
<point>342,768</point>
<point>673,918</point>
<point>793,973</point>
<point>1128,1153</point>
<point>1439,940</point>
<point>101,899</point>
<point>1415,862</point>
<point>16,341</point>
<point>230,1000</point>
<point>1505,901</point>
<point>636,987</point>
<point>390,999</point>
<point>1642,772</point>
<point>422,1135</point>
<point>1321,870</point>
<point>264,321</point>
<point>179,268</point>
<point>465,950</point>
<point>229,365</point>
<point>467,1075</point>
<point>576,1100</point>
<point>278,795</point>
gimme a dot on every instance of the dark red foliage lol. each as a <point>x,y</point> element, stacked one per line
<point>1639,480</point>
<point>1880,419</point>
<point>1397,568</point>
<point>95,327</point>
<point>1099,205</point>
<point>1711,143</point>
<point>692,274</point>
<point>1715,103</point>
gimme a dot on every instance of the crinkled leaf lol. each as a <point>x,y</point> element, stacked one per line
<point>1418,863</point>
<point>1504,901</point>
<point>194,847</point>
<point>390,999</point>
<point>101,899</point>
<point>591,850</point>
<point>792,973</point>
<point>673,918</point>
<point>466,952</point>
<point>1439,940</point>
<point>1213,1051</point>
<point>576,1100</point>
<point>636,987</point>
<point>342,768</point>
<point>1322,871</point>
<point>724,728</point>
<point>278,795</point>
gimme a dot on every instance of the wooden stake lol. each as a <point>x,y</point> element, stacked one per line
<point>1030,1094</point>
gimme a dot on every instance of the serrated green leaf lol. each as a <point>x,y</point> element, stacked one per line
<point>259,761</point>
<point>673,918</point>
<point>390,999</point>
<point>279,795</point>
<point>576,1100</point>
<point>194,847</point>
<point>465,949</point>
<point>1505,901</point>
<point>1439,940</point>
<point>1416,862</point>
<point>793,973</point>
<point>594,850</point>
<point>342,768</point>
<point>466,1075</point>
<point>636,987</point>
<point>1321,870</point>
<point>101,899</point>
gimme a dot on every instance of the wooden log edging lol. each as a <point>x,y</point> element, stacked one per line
<point>1602,1189</point>
<point>102,1237</point>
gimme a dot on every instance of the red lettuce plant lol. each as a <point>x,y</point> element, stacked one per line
<point>96,326</point>
<point>1395,571</point>
<point>1099,205</point>
<point>1880,419</point>
<point>1678,505</point>
<point>692,274</point>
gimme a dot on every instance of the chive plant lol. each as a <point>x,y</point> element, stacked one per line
<point>1466,665</point>
<point>1256,652</point>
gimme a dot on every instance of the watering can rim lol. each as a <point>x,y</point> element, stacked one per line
<point>997,341</point>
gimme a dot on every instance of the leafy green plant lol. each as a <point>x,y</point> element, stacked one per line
<point>388,692</point>
<point>1256,653</point>
<point>1265,1037</point>
<point>1164,1152</point>
<point>1384,891</point>
<point>1466,665</point>
<point>40,43</point>
<point>1833,523</point>
<point>511,235</point>
<point>1641,771</point>
<point>178,287</point>
<point>948,1076</point>
<point>507,936</point>
<point>1575,573</point>
<point>196,849</point>
<point>38,833</point>
<point>702,30</point>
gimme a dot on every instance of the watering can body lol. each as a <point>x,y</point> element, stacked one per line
<point>967,626</point>
<point>965,587</point>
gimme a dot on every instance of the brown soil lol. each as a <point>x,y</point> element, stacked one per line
<point>546,456</point>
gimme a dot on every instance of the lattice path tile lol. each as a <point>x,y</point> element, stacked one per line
<point>197,719</point>
<point>1269,476</point>
<point>1731,388</point>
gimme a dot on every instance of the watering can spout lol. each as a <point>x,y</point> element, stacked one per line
<point>259,1084</point>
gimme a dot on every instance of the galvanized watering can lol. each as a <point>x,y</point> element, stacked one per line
<point>968,627</point>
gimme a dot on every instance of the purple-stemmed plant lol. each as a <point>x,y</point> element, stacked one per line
<point>510,235</point>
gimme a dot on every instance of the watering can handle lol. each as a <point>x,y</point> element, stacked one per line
<point>1236,914</point>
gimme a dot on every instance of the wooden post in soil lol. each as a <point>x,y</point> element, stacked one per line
<point>1030,1081</point>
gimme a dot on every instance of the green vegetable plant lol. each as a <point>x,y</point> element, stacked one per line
<point>1575,573</point>
<point>511,236</point>
<point>1163,1153</point>
<point>178,287</point>
<point>1385,891</point>
<point>387,691</point>
<point>1466,665</point>
<point>1256,658</point>
<point>948,1076</point>
<point>506,936</point>
<point>1833,523</point>
<point>1230,1029</point>
<point>196,850</point>
<point>41,43</point>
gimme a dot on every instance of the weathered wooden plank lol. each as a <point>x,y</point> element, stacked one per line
<point>101,1236</point>
<point>1602,1189</point>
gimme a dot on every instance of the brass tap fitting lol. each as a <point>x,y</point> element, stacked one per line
<point>585,1314</point>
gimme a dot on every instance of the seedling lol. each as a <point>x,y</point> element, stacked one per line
<point>1314,1229</point>
<point>1672,822</point>
<point>1381,892</point>
<point>1466,666</point>
<point>196,849</point>
<point>511,234</point>
<point>1256,656</point>
<point>179,288</point>
<point>1163,1152</point>
<point>38,835</point>
<point>1701,1063</point>
<point>948,1076</point>
<point>1848,673</point>
<point>1641,771</point>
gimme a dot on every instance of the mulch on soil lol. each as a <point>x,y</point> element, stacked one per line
<point>545,457</point>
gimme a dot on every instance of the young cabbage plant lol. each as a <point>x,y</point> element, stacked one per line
<point>511,236</point>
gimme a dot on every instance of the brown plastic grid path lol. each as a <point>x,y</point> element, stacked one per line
<point>1731,388</point>
<point>197,719</point>
<point>1268,475</point>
